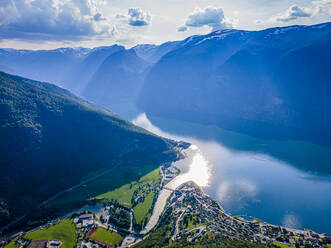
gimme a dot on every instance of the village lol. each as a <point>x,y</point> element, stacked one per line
<point>193,215</point>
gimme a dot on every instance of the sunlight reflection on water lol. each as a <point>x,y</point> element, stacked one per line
<point>198,170</point>
<point>251,183</point>
<point>194,168</point>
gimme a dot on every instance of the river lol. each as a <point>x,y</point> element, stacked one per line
<point>247,181</point>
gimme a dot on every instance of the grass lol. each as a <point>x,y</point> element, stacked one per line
<point>190,224</point>
<point>11,244</point>
<point>193,223</point>
<point>105,236</point>
<point>140,211</point>
<point>283,245</point>
<point>119,185</point>
<point>124,194</point>
<point>152,176</point>
<point>102,187</point>
<point>63,231</point>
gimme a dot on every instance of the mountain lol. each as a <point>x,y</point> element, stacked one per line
<point>94,73</point>
<point>51,139</point>
<point>84,71</point>
<point>70,68</point>
<point>153,53</point>
<point>118,80</point>
<point>273,83</point>
<point>44,65</point>
<point>246,81</point>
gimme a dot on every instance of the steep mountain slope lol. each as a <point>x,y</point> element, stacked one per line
<point>44,65</point>
<point>78,68</point>
<point>50,139</point>
<point>153,53</point>
<point>273,83</point>
<point>118,80</point>
<point>84,71</point>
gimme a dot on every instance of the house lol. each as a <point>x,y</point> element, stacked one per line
<point>85,217</point>
<point>53,244</point>
<point>87,223</point>
<point>86,220</point>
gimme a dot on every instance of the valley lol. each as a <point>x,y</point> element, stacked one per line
<point>219,139</point>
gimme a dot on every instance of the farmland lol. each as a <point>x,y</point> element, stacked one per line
<point>105,237</point>
<point>63,231</point>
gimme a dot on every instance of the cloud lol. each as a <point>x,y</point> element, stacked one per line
<point>51,20</point>
<point>210,16</point>
<point>182,29</point>
<point>292,13</point>
<point>317,8</point>
<point>138,18</point>
<point>258,21</point>
<point>322,7</point>
<point>98,17</point>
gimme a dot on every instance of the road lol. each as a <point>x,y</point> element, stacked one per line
<point>177,225</point>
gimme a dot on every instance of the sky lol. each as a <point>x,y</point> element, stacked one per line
<point>49,24</point>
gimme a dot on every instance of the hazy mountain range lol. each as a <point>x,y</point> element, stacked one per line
<point>273,83</point>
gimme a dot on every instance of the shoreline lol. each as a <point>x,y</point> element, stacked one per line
<point>162,201</point>
<point>305,232</point>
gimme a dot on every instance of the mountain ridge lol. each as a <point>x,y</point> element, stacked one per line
<point>51,139</point>
<point>227,77</point>
<point>231,81</point>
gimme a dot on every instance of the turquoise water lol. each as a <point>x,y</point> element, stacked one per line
<point>261,178</point>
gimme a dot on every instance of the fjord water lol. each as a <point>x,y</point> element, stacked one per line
<point>251,182</point>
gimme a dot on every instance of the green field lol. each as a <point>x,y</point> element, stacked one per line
<point>106,236</point>
<point>121,177</point>
<point>152,176</point>
<point>125,193</point>
<point>63,231</point>
<point>141,210</point>
<point>11,244</point>
<point>119,185</point>
<point>283,245</point>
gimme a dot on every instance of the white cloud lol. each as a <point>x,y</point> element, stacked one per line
<point>292,13</point>
<point>138,18</point>
<point>51,19</point>
<point>210,16</point>
<point>322,7</point>
<point>95,22</point>
<point>258,21</point>
<point>319,7</point>
<point>182,29</point>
